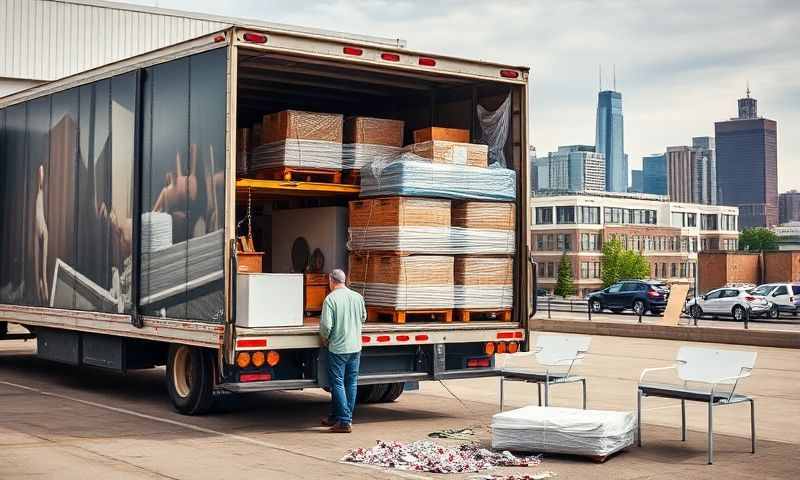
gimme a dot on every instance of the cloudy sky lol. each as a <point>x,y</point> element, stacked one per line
<point>680,64</point>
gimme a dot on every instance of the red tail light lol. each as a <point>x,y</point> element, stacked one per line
<point>352,51</point>
<point>255,377</point>
<point>478,362</point>
<point>653,294</point>
<point>421,338</point>
<point>509,73</point>
<point>383,338</point>
<point>749,299</point>
<point>390,57</point>
<point>427,62</point>
<point>254,38</point>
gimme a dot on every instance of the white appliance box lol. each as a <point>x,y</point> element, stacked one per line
<point>269,300</point>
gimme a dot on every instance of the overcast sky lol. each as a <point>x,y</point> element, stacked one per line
<point>680,65</point>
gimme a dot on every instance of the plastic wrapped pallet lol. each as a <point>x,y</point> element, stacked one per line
<point>594,433</point>
<point>440,133</point>
<point>438,151</point>
<point>373,131</point>
<point>484,215</point>
<point>315,154</point>
<point>399,211</point>
<point>431,240</point>
<point>403,283</point>
<point>412,176</point>
<point>297,125</point>
<point>483,282</point>
<point>356,155</point>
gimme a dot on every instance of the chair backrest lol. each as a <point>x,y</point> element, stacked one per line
<point>560,349</point>
<point>709,365</point>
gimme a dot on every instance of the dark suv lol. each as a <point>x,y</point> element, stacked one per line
<point>640,296</point>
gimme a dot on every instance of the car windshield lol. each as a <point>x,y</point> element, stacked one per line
<point>796,289</point>
<point>763,290</point>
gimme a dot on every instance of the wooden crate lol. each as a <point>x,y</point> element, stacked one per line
<point>440,133</point>
<point>293,124</point>
<point>398,270</point>
<point>453,153</point>
<point>399,212</point>
<point>250,262</point>
<point>374,131</point>
<point>476,270</point>
<point>484,215</point>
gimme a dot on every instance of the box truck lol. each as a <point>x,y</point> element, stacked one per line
<point>120,209</point>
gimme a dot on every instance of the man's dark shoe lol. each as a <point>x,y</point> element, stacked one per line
<point>340,428</point>
<point>328,422</point>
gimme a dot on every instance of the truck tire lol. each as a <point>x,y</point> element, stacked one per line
<point>190,379</point>
<point>393,392</point>
<point>371,393</point>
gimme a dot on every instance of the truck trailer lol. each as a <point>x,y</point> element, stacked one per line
<point>121,208</point>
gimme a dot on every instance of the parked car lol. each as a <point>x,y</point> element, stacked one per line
<point>727,302</point>
<point>640,296</point>
<point>785,297</point>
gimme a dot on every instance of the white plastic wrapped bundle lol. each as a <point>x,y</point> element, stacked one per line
<point>486,297</point>
<point>432,240</point>
<point>356,155</point>
<point>563,430</point>
<point>483,282</point>
<point>298,154</point>
<point>413,176</point>
<point>404,296</point>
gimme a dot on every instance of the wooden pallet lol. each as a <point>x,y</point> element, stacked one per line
<point>299,174</point>
<point>465,315</point>
<point>374,314</point>
<point>351,177</point>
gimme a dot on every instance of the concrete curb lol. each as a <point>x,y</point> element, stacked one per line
<point>759,338</point>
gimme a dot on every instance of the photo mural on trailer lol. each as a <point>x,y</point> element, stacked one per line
<point>67,199</point>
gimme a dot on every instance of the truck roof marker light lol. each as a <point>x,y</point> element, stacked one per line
<point>402,338</point>
<point>243,359</point>
<point>252,343</point>
<point>219,38</point>
<point>353,51</point>
<point>427,62</point>
<point>255,377</point>
<point>254,38</point>
<point>509,73</point>
<point>421,338</point>
<point>383,338</point>
<point>273,358</point>
<point>390,57</point>
<point>505,335</point>
<point>365,339</point>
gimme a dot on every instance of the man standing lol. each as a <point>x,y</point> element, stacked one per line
<point>343,312</point>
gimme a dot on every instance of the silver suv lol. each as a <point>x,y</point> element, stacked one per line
<point>785,297</point>
<point>727,302</point>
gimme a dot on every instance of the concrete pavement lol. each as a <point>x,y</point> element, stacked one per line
<point>63,422</point>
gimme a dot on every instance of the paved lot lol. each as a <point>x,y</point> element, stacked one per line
<point>62,422</point>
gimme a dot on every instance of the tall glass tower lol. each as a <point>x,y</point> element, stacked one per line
<point>610,140</point>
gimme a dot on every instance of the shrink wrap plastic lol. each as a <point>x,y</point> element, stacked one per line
<point>405,297</point>
<point>298,154</point>
<point>356,155</point>
<point>413,176</point>
<point>483,282</point>
<point>432,240</point>
<point>563,430</point>
<point>403,283</point>
<point>494,131</point>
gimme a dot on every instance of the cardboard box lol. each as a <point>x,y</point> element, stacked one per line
<point>437,151</point>
<point>476,270</point>
<point>297,125</point>
<point>399,212</point>
<point>484,215</point>
<point>374,131</point>
<point>440,133</point>
<point>397,270</point>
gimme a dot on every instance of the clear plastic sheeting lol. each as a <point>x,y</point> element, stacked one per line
<point>563,430</point>
<point>414,176</point>
<point>404,296</point>
<point>298,154</point>
<point>432,240</point>
<point>356,155</point>
<point>483,296</point>
<point>494,127</point>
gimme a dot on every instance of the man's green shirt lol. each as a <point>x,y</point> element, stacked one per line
<point>342,315</point>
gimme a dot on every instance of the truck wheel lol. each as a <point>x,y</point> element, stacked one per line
<point>393,393</point>
<point>371,393</point>
<point>190,379</point>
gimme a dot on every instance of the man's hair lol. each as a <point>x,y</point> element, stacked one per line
<point>337,276</point>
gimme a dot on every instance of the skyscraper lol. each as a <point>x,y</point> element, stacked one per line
<point>573,168</point>
<point>692,173</point>
<point>747,165</point>
<point>637,182</point>
<point>654,173</point>
<point>679,174</point>
<point>789,207</point>
<point>610,139</point>
<point>705,180</point>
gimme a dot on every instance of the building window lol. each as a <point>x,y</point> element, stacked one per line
<point>595,273</point>
<point>727,222</point>
<point>589,215</point>
<point>544,215</point>
<point>550,269</point>
<point>708,221</point>
<point>564,243</point>
<point>655,269</point>
<point>565,214</point>
<point>584,269</point>
<point>673,270</point>
<point>693,244</point>
<point>683,270</point>
<point>691,220</point>
<point>539,242</point>
<point>590,242</point>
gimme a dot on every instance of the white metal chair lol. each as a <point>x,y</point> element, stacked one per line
<point>555,355</point>
<point>719,372</point>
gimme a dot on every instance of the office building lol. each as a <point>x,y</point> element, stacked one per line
<point>610,140</point>
<point>705,180</point>
<point>668,234</point>
<point>637,182</point>
<point>691,172</point>
<point>789,207</point>
<point>654,174</point>
<point>679,174</point>
<point>572,168</point>
<point>747,165</point>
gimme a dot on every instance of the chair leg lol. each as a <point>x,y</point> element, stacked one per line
<point>501,393</point>
<point>547,393</point>
<point>638,417</point>
<point>711,431</point>
<point>539,390</point>
<point>583,386</point>
<point>752,426</point>
<point>683,420</point>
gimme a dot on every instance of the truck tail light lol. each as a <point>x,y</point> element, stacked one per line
<point>353,51</point>
<point>513,347</point>
<point>254,38</point>
<point>255,377</point>
<point>488,349</point>
<point>427,62</point>
<point>258,358</point>
<point>501,347</point>
<point>243,359</point>
<point>478,363</point>
<point>390,57</point>
<point>509,73</point>
<point>273,358</point>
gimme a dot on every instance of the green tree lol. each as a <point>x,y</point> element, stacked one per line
<point>565,285</point>
<point>618,263</point>
<point>758,239</point>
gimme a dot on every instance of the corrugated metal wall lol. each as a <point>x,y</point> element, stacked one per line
<point>47,40</point>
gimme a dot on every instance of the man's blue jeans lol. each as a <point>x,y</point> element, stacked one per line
<point>343,380</point>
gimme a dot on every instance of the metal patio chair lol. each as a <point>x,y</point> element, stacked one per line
<point>717,371</point>
<point>555,355</point>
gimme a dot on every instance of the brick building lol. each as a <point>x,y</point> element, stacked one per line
<point>668,234</point>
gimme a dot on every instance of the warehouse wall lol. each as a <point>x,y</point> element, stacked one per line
<point>48,39</point>
<point>12,85</point>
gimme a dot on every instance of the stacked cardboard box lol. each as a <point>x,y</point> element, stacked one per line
<point>483,283</point>
<point>449,146</point>
<point>400,224</point>
<point>368,139</point>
